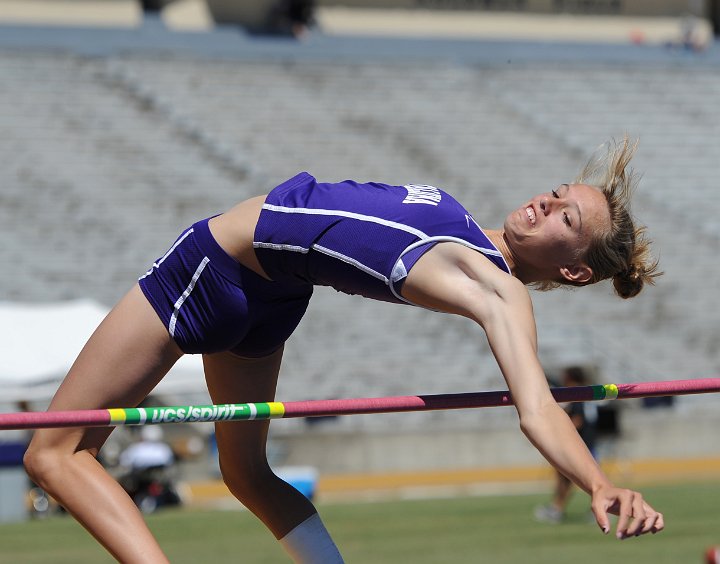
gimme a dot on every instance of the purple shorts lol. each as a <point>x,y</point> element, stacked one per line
<point>211,303</point>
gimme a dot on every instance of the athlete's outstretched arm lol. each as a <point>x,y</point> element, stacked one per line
<point>458,280</point>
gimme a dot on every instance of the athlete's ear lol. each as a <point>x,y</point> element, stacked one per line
<point>579,273</point>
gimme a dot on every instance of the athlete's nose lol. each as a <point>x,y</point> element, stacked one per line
<point>545,205</point>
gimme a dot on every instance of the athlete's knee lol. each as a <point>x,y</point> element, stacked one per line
<point>40,463</point>
<point>43,462</point>
<point>247,479</point>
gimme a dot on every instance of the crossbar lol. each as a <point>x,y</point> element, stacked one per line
<point>353,406</point>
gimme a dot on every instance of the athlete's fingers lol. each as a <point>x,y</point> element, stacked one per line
<point>653,521</point>
<point>659,524</point>
<point>625,513</point>
<point>639,516</point>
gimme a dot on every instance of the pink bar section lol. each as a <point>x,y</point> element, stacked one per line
<point>49,419</point>
<point>315,408</point>
<point>488,399</point>
<point>669,388</point>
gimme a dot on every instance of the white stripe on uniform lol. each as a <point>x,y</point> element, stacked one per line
<point>185,294</point>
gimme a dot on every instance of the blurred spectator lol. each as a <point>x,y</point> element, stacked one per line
<point>151,6</point>
<point>152,14</point>
<point>149,480</point>
<point>149,452</point>
<point>291,17</point>
<point>585,417</point>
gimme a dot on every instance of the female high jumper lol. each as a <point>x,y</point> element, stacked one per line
<point>234,287</point>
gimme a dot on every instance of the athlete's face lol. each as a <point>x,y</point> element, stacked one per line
<point>554,230</point>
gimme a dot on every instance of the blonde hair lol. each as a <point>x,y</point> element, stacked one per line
<point>622,252</point>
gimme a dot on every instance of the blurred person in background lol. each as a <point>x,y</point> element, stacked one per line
<point>148,463</point>
<point>152,12</point>
<point>290,17</point>
<point>234,287</point>
<point>584,416</point>
<point>151,451</point>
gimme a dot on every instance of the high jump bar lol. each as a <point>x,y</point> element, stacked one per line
<point>320,408</point>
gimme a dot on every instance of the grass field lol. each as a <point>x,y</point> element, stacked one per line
<point>494,529</point>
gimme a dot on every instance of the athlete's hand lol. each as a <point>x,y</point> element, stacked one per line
<point>636,517</point>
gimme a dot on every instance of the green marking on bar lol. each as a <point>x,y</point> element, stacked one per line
<point>263,411</point>
<point>598,392</point>
<point>133,416</point>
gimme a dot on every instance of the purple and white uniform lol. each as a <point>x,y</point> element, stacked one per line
<point>357,238</point>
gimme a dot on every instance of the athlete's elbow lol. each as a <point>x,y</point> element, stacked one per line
<point>535,417</point>
<point>532,424</point>
<point>528,423</point>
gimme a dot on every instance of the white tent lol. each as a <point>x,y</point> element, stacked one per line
<point>40,341</point>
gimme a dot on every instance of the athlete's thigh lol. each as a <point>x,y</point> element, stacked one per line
<point>232,379</point>
<point>126,356</point>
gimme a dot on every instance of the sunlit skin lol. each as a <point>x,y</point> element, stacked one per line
<point>544,238</point>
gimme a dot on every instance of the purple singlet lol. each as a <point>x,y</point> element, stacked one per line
<point>359,238</point>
